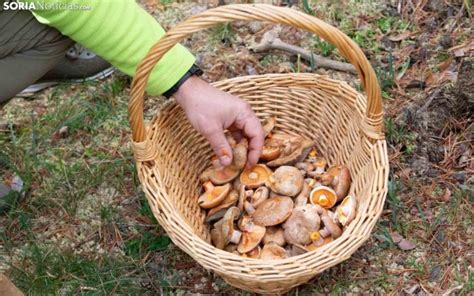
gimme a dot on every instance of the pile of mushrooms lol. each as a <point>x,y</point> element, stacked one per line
<point>287,204</point>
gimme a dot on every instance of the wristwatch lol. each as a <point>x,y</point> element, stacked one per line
<point>194,70</point>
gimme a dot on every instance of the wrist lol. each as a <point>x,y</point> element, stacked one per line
<point>187,89</point>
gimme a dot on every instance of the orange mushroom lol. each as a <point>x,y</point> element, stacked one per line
<point>255,176</point>
<point>273,211</point>
<point>213,195</point>
<point>346,211</point>
<point>323,196</point>
<point>272,251</point>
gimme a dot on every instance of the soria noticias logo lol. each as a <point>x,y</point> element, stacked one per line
<point>41,5</point>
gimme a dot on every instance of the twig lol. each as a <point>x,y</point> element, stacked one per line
<point>271,41</point>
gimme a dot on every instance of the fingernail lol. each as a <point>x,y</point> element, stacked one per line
<point>225,160</point>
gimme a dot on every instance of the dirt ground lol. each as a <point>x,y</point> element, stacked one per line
<point>81,224</point>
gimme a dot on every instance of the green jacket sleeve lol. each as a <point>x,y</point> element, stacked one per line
<point>119,31</point>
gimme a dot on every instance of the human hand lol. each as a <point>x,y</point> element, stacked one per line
<point>210,111</point>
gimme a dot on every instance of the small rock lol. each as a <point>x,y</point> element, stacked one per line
<point>254,27</point>
<point>460,176</point>
<point>445,41</point>
<point>63,132</point>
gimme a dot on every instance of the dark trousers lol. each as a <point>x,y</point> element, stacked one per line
<point>28,49</point>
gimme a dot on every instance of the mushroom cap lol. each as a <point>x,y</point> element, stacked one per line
<point>286,180</point>
<point>249,208</point>
<point>274,234</point>
<point>231,248</point>
<point>260,195</point>
<point>346,211</point>
<point>323,196</point>
<point>331,227</point>
<point>219,175</point>
<point>273,211</point>
<point>295,150</point>
<point>218,212</point>
<point>320,241</point>
<point>217,238</point>
<point>272,251</point>
<point>255,176</point>
<point>270,153</point>
<point>341,180</point>
<point>250,239</point>
<point>246,223</point>
<point>254,253</point>
<point>228,231</point>
<point>213,195</point>
<point>303,221</point>
<point>302,198</point>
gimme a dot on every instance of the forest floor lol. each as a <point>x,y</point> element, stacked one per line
<point>83,225</point>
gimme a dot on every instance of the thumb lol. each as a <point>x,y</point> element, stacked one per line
<point>220,145</point>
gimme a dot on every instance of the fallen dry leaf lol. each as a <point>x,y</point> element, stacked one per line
<point>401,36</point>
<point>396,237</point>
<point>406,245</point>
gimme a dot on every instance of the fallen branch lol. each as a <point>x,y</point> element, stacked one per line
<point>271,41</point>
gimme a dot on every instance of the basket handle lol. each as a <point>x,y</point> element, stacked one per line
<point>373,123</point>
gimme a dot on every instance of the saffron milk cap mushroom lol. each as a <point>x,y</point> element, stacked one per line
<point>222,175</point>
<point>268,125</point>
<point>341,180</point>
<point>274,234</point>
<point>346,211</point>
<point>330,228</point>
<point>286,180</point>
<point>251,238</point>
<point>302,198</point>
<point>218,212</point>
<point>295,150</point>
<point>230,234</point>
<point>270,153</point>
<point>273,251</point>
<point>254,253</point>
<point>303,221</point>
<point>255,176</point>
<point>273,211</point>
<point>323,196</point>
<point>213,195</point>
<point>259,196</point>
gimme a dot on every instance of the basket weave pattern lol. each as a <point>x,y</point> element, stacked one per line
<point>344,124</point>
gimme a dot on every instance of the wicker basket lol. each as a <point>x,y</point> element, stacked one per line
<point>346,126</point>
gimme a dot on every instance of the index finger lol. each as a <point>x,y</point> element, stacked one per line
<point>252,128</point>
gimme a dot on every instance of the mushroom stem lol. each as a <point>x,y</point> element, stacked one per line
<point>235,237</point>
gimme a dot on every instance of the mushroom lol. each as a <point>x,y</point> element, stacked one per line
<point>230,234</point>
<point>311,182</point>
<point>251,238</point>
<point>295,150</point>
<point>259,196</point>
<point>286,180</point>
<point>320,165</point>
<point>243,195</point>
<point>218,212</point>
<point>303,221</point>
<point>217,238</point>
<point>346,211</point>
<point>305,166</point>
<point>221,175</point>
<point>273,211</point>
<point>323,196</point>
<point>213,195</point>
<point>231,248</point>
<point>273,251</point>
<point>319,240</point>
<point>254,253</point>
<point>340,178</point>
<point>302,198</point>
<point>255,176</point>
<point>330,228</point>
<point>268,125</point>
<point>270,153</point>
<point>246,223</point>
<point>274,234</point>
<point>249,208</point>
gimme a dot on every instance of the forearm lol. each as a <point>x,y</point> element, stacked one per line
<point>122,33</point>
